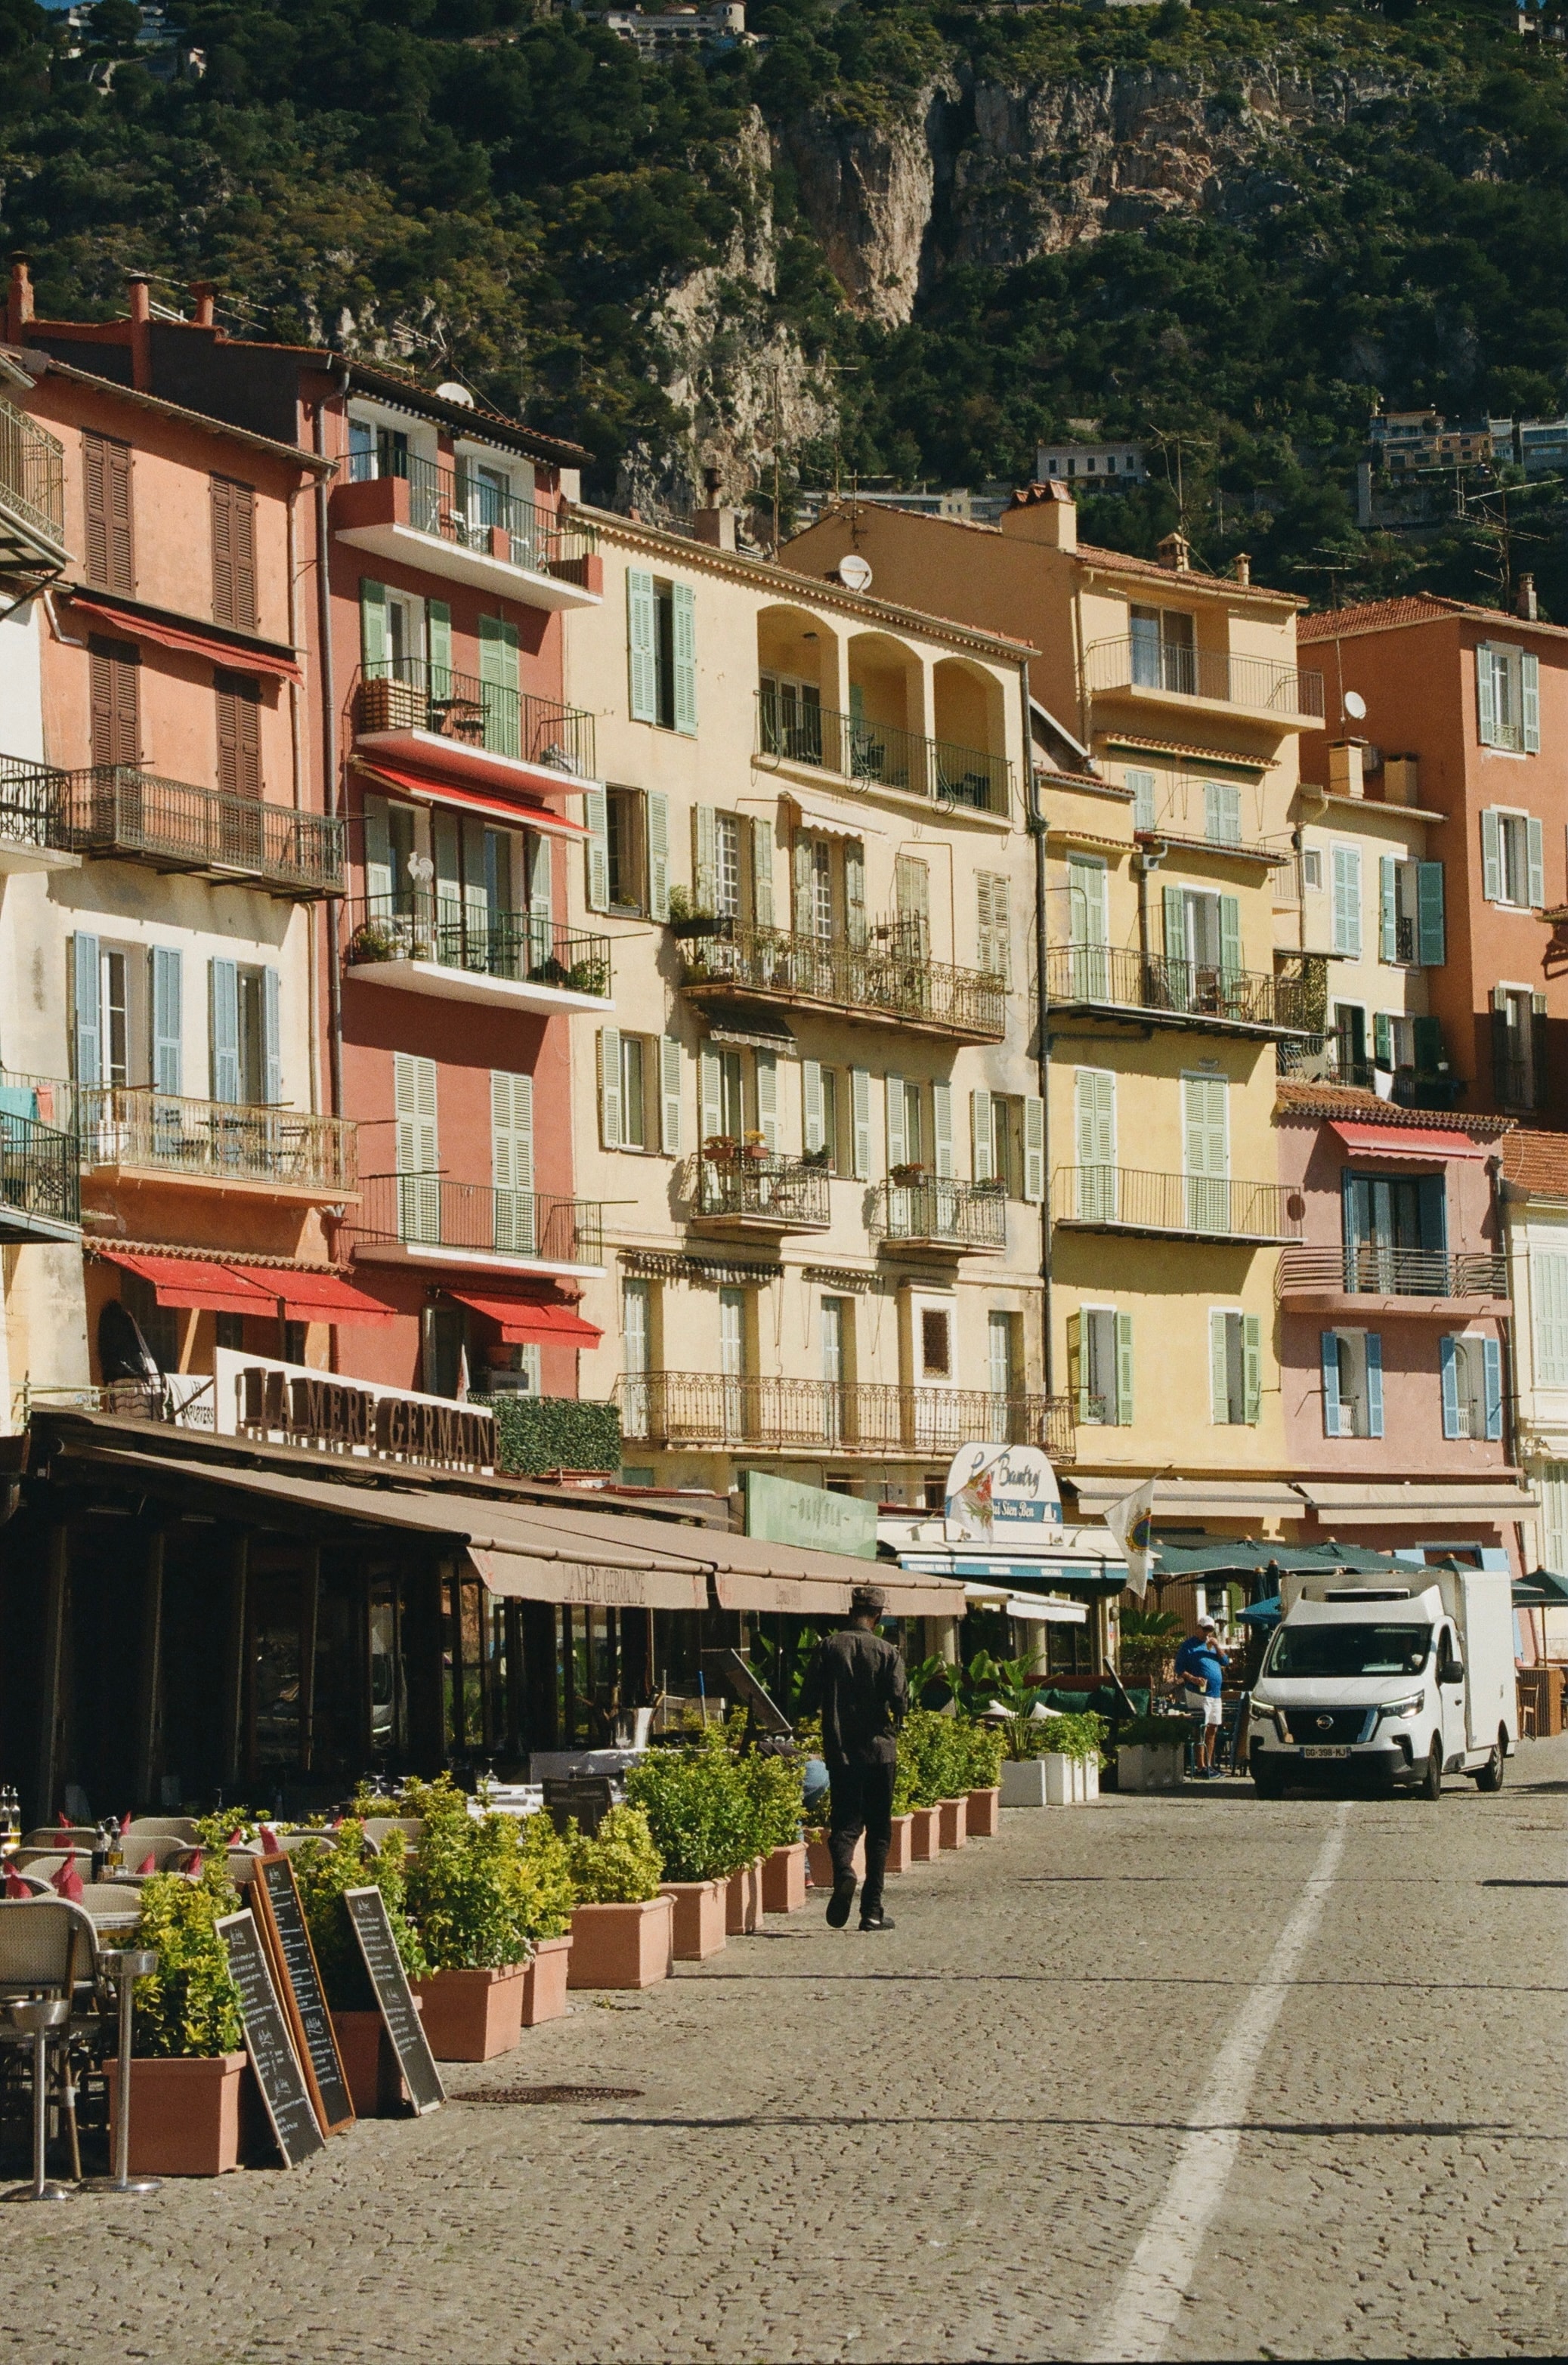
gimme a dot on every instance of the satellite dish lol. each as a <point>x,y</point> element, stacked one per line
<point>1355,706</point>
<point>452,392</point>
<point>855,572</point>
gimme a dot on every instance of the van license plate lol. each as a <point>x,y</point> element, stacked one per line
<point>1314,1749</point>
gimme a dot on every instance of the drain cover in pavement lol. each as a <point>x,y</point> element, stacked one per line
<point>559,2094</point>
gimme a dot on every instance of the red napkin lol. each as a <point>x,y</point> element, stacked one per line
<point>147,1864</point>
<point>14,1885</point>
<point>63,1821</point>
<point>269,1841</point>
<point>236,1837</point>
<point>194,1867</point>
<point>67,1881</point>
<point>125,1822</point>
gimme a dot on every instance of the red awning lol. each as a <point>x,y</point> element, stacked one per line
<point>196,644</point>
<point>314,1296</point>
<point>251,1289</point>
<point>433,790</point>
<point>187,1281</point>
<point>543,1319</point>
<point>1406,1141</point>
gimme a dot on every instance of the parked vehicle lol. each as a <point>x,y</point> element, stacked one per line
<point>1396,1685</point>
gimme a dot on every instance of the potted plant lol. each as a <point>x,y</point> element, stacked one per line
<point>720,1148</point>
<point>982,1748</point>
<point>687,921</point>
<point>469,1893</point>
<point>691,1799</point>
<point>1152,1752</point>
<point>621,1926</point>
<point>323,1870</point>
<point>925,1758</point>
<point>908,1173</point>
<point>817,1161</point>
<point>1012,1685</point>
<point>774,1785</point>
<point>553,1899</point>
<point>188,2071</point>
<point>753,1147</point>
<point>373,940</point>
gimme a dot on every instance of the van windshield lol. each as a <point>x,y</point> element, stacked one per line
<point>1349,1650</point>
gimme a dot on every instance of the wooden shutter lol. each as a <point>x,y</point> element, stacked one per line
<point>1000,961</point>
<point>762,872</point>
<point>165,968</point>
<point>374,639</point>
<point>1077,1378</point>
<point>239,702</point>
<point>1429,1044</point>
<point>1373,1344</point>
<point>377,855</point>
<point>684,621</point>
<point>1142,786</point>
<point>897,1137</point>
<point>657,809</point>
<point>911,895</point>
<point>812,1103</point>
<point>272,1037</point>
<point>1491,856</point>
<point>224,1005</point>
<point>1535,843</point>
<point>709,1094</point>
<point>438,645</point>
<point>113,670</point>
<point>854,891</point>
<point>86,1004</point>
<point>982,1138</point>
<point>1387,908</point>
<point>1348,900</point>
<point>595,850</point>
<point>1206,1130</point>
<point>1175,915</point>
<point>1383,1038</point>
<point>512,1160</point>
<point>640,644</point>
<point>1230,936</point>
<point>609,1118</point>
<point>669,1095</point>
<point>804,868</point>
<point>1549,1276</point>
<point>233,511</point>
<point>941,1129</point>
<point>1492,1385</point>
<point>1530,701</point>
<point>1449,1351</point>
<point>1333,1411</point>
<point>418,1157</point>
<point>861,1121</point>
<point>767,1120</point>
<point>106,472</point>
<point>1431,930</point>
<point>1538,1024</point>
<point>705,858</point>
<point>1485,698</point>
<point>1252,1369</point>
<point>498,645</point>
<point>1124,1371</point>
<point>1034,1147</point>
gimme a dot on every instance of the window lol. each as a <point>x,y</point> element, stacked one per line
<point>624,816</point>
<point>822,1114</point>
<point>1163,655</point>
<point>239,701</point>
<point>1352,1384</point>
<point>1088,910</point>
<point>1472,1387</point>
<point>1519,1048</point>
<point>419,1156</point>
<point>1205,1131</point>
<point>512,1163</point>
<point>1513,860</point>
<point>1507,698</point>
<point>912,901</point>
<point>1100,1365</point>
<point>635,1064</point>
<point>1393,1041</point>
<point>636,1355</point>
<point>1235,1368</point>
<point>1005,1354</point>
<point>1347,936</point>
<point>1548,1308</point>
<point>1412,926</point>
<point>1312,870</point>
<point>1350,1032</point>
<point>814,883</point>
<point>1222,812</point>
<point>233,509</point>
<point>1007,1142</point>
<point>116,1008</point>
<point>106,472</point>
<point>445,1358</point>
<point>1202,938</point>
<point>936,1343</point>
<point>1094,1124</point>
<point>1142,785</point>
<point>114,686</point>
<point>662,645</point>
<point>727,865</point>
<point>791,719</point>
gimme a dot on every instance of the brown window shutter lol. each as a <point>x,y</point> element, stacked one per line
<point>93,473</point>
<point>233,554</point>
<point>239,734</point>
<point>244,512</point>
<point>121,576</point>
<point>114,670</point>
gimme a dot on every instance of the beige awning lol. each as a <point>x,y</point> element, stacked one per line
<point>1391,1505</point>
<point>1190,1498</point>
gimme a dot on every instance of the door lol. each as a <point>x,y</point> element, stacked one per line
<point>731,1359</point>
<point>1207,1148</point>
<point>498,687</point>
<point>832,1370</point>
<point>1089,926</point>
<point>1094,1097</point>
<point>419,1187</point>
<point>635,1356</point>
<point>512,1163</point>
<point>1452,1697</point>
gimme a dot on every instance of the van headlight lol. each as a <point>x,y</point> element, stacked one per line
<point>1266,1713</point>
<point>1410,1707</point>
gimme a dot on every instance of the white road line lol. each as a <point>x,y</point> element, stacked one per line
<point>1155,2284</point>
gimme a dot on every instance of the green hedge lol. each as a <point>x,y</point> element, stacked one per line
<point>538,1433</point>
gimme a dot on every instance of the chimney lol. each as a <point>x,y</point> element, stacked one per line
<point>140,297</point>
<point>1525,603</point>
<point>1176,552</point>
<point>716,526</point>
<point>1043,512</point>
<point>1244,569</point>
<point>20,308</point>
<point>205,292</point>
<point>1346,777</point>
<point>140,331</point>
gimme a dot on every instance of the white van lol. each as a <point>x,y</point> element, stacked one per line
<point>1396,1684</point>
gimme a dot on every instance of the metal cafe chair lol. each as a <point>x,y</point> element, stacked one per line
<point>62,1835</point>
<point>47,1954</point>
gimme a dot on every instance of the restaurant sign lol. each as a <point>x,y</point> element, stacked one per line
<point>788,1513</point>
<point>293,1404</point>
<point>1002,1495</point>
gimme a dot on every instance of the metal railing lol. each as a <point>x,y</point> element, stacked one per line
<point>32,798</point>
<point>939,1213</point>
<point>117,809</point>
<point>1121,1198</point>
<point>884,753</point>
<point>1126,979</point>
<point>836,1416</point>
<point>1369,1268</point>
<point>526,946</point>
<point>32,476</point>
<point>890,973</point>
<point>226,1141</point>
<point>408,694</point>
<point>39,1171</point>
<point>428,1211</point>
<point>790,1194</point>
<point>465,508</point>
<point>1256,682</point>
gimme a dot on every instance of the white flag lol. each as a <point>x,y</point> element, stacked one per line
<point>1131,1521</point>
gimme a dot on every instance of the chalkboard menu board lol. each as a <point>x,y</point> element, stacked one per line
<point>367,1911</point>
<point>269,2043</point>
<point>281,1918</point>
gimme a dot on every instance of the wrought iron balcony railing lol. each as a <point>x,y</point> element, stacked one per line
<point>883,754</point>
<point>429,1211</point>
<point>938,1213</point>
<point>219,1141</point>
<point>889,976</point>
<point>1369,1269</point>
<point>32,487</point>
<point>407,694</point>
<point>33,805</point>
<point>525,947</point>
<point>1199,1206</point>
<point>465,508</point>
<point>39,1175</point>
<point>788,1193</point>
<point>117,809</point>
<point>835,1417</point>
<point>1259,683</point>
<point>1113,977</point>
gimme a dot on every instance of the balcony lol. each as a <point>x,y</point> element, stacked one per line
<point>451,522</point>
<point>934,1214</point>
<point>1105,980</point>
<point>887,981</point>
<point>761,1196</point>
<point>1172,675</point>
<point>1173,1206</point>
<point>835,1417</point>
<point>445,948</point>
<point>877,755</point>
<point>481,731</point>
<point>280,1153</point>
<point>425,1219</point>
<point>32,496</point>
<point>32,818</point>
<point>136,816</point>
<point>40,1183</point>
<point>1369,1278</point>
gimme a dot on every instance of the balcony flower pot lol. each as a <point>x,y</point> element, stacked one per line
<point>472,2015</point>
<point>952,1825</point>
<point>699,1918</point>
<point>702,924</point>
<point>185,2114</point>
<point>1023,1782</point>
<point>370,2066</point>
<point>819,1861</point>
<point>545,1981</point>
<point>621,1946</point>
<point>784,1878</point>
<point>900,1846</point>
<point>1155,1766</point>
<point>925,1836</point>
<point>907,1175</point>
<point>742,1900</point>
<point>985,1814</point>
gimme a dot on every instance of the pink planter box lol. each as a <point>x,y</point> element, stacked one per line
<point>900,1849</point>
<point>621,1946</point>
<point>370,2066</point>
<point>819,1862</point>
<point>784,1878</point>
<point>472,2015</point>
<point>742,1900</point>
<point>699,1918</point>
<point>184,2115</point>
<point>545,1981</point>
<point>953,1823</point>
<point>985,1814</point>
<point>924,1834</point>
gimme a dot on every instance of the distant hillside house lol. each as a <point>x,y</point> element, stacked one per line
<point>722,27</point>
<point>1108,467</point>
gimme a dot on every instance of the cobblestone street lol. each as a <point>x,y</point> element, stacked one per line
<point>957,2140</point>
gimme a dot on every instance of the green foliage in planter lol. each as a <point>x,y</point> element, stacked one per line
<point>216,1830</point>
<point>982,1747</point>
<point>189,2007</point>
<point>698,1809</point>
<point>773,1789</point>
<point>1073,1736</point>
<point>549,1860</point>
<point>341,1860</point>
<point>538,1433</point>
<point>1155,1732</point>
<point>933,1749</point>
<point>621,1866</point>
<point>470,1889</point>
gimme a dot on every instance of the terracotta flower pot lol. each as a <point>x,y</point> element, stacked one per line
<point>985,1814</point>
<point>742,1899</point>
<point>621,1946</point>
<point>545,1981</point>
<point>819,1862</point>
<point>472,2015</point>
<point>784,1878</point>
<point>699,1918</point>
<point>953,1823</point>
<point>370,2066</point>
<point>925,1835</point>
<point>184,2115</point>
<point>900,1848</point>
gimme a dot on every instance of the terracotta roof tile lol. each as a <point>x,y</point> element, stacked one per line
<point>1537,1162</point>
<point>1294,1097</point>
<point>1414,608</point>
<point>1193,580</point>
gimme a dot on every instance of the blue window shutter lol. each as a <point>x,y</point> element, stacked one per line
<point>1374,1384</point>
<point>1491,856</point>
<point>1388,934</point>
<point>89,1039</point>
<point>1383,1038</point>
<point>684,621</point>
<point>1432,1204</point>
<point>595,847</point>
<point>1450,1348</point>
<point>1492,1365</point>
<point>1431,931</point>
<point>224,981</point>
<point>1485,699</point>
<point>1175,925</point>
<point>272,1037</point>
<point>640,644</point>
<point>1329,1343</point>
<point>1535,839</point>
<point>1530,701</point>
<point>168,987</point>
<point>1230,936</point>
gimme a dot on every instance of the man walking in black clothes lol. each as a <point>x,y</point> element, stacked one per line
<point>856,1680</point>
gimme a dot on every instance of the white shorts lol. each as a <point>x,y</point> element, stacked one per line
<point>1203,1704</point>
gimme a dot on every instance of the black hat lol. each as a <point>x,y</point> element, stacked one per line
<point>868,1601</point>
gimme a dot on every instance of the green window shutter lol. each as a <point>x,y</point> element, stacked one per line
<point>861,1121</point>
<point>1076,1376</point>
<point>1530,701</point>
<point>1428,1034</point>
<point>1230,936</point>
<point>373,639</point>
<point>1175,924</point>
<point>685,637</point>
<point>812,1103</point>
<point>1485,699</point>
<point>1219,1370</point>
<point>982,1138</point>
<point>438,644</point>
<point>498,686</point>
<point>596,849</point>
<point>805,897</point>
<point>1431,930</point>
<point>1124,1371</point>
<point>658,856</point>
<point>705,858</point>
<point>1086,902</point>
<point>609,1087</point>
<point>1034,1147</point>
<point>1329,1354</point>
<point>168,989</point>
<point>377,852</point>
<point>941,1129</point>
<point>1491,856</point>
<point>762,873</point>
<point>1387,908</point>
<point>669,1095</point>
<point>1535,841</point>
<point>854,891</point>
<point>893,1088</point>
<point>85,1008</point>
<point>512,1160</point>
<point>1253,1369</point>
<point>1142,786</point>
<point>768,1123</point>
<point>641,644</point>
<point>1383,1038</point>
<point>272,1038</point>
<point>224,1005</point>
<point>710,1094</point>
<point>1347,862</point>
